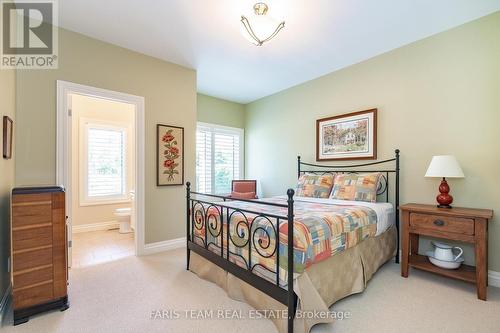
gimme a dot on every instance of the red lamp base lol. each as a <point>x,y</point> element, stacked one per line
<point>444,198</point>
<point>444,206</point>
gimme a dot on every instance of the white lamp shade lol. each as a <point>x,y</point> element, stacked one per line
<point>444,166</point>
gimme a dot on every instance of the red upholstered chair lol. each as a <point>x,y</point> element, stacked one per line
<point>244,189</point>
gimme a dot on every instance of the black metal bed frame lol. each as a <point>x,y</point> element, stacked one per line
<point>209,215</point>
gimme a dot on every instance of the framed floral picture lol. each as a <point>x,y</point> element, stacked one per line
<point>170,155</point>
<point>351,136</point>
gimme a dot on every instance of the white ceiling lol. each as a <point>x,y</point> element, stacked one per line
<point>320,36</point>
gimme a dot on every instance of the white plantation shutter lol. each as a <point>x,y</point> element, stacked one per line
<point>105,167</point>
<point>203,160</point>
<point>227,161</point>
<point>219,158</point>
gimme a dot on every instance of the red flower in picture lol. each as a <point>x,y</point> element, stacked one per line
<point>167,137</point>
<point>168,163</point>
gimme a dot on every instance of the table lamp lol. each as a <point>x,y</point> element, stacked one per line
<point>444,166</point>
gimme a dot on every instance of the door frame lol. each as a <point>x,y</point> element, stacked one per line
<point>63,149</point>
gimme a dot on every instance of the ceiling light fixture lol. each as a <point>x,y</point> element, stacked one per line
<point>263,27</point>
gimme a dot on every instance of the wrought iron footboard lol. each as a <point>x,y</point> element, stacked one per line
<point>261,234</point>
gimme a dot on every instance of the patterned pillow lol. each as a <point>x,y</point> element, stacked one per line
<point>356,187</point>
<point>315,186</point>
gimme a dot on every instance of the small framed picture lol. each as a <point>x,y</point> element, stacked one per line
<point>169,155</point>
<point>7,137</point>
<point>351,136</point>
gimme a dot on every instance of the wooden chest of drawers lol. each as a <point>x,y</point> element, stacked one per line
<point>39,251</point>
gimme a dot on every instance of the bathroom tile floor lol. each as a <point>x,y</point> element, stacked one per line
<point>96,247</point>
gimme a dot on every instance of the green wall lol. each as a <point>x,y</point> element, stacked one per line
<point>440,95</point>
<point>7,108</point>
<point>170,98</point>
<point>221,112</point>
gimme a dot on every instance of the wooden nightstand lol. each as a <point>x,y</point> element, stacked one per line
<point>459,224</point>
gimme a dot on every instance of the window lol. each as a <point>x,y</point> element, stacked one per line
<point>219,158</point>
<point>103,163</point>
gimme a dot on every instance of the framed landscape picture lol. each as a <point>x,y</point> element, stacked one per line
<point>170,155</point>
<point>7,137</point>
<point>351,136</point>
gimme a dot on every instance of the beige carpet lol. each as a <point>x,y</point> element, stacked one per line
<point>120,296</point>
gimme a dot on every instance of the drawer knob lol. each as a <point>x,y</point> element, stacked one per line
<point>439,223</point>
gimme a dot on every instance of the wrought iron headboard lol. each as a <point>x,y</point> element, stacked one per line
<point>383,186</point>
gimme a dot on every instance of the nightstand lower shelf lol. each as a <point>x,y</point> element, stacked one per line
<point>464,273</point>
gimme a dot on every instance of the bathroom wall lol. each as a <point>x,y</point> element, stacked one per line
<point>114,113</point>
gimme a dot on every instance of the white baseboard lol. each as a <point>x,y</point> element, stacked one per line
<point>164,246</point>
<point>95,226</point>
<point>494,279</point>
<point>4,302</point>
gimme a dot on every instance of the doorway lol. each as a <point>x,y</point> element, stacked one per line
<point>100,154</point>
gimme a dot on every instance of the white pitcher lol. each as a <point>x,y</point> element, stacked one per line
<point>445,252</point>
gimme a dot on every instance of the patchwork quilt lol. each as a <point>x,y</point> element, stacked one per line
<point>320,231</point>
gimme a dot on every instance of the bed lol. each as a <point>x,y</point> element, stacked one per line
<point>337,245</point>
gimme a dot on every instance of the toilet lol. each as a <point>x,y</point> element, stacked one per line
<point>123,216</point>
